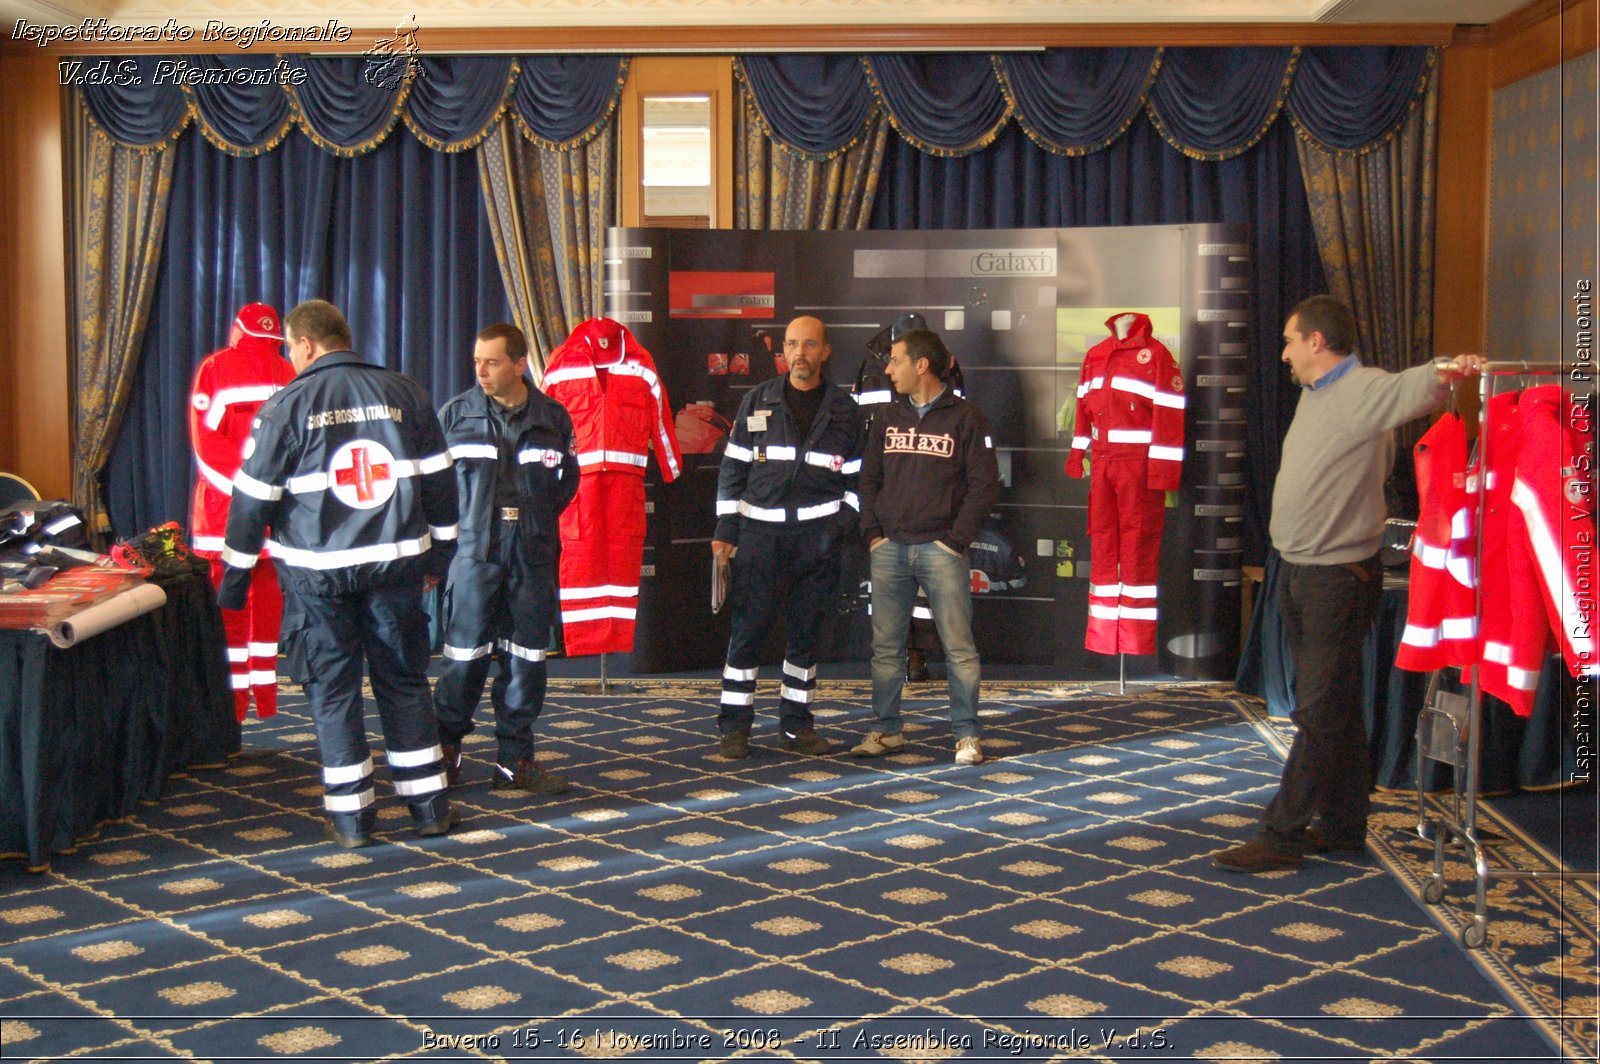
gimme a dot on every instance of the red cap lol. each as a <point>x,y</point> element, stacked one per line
<point>258,319</point>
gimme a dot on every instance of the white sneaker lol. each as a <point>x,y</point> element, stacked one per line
<point>969,751</point>
<point>876,744</point>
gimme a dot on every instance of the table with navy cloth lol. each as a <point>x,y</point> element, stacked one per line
<point>90,732</point>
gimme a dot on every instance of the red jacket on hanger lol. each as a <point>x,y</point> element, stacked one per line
<point>1553,489</point>
<point>1441,618</point>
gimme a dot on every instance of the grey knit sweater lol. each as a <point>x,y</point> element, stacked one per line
<point>1327,504</point>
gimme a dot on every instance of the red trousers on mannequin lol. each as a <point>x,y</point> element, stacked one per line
<point>1125,522</point>
<point>252,635</point>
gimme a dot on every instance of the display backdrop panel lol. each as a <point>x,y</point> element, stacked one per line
<point>1018,308</point>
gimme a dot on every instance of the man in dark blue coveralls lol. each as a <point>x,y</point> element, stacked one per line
<point>516,470</point>
<point>347,468</point>
<point>786,498</point>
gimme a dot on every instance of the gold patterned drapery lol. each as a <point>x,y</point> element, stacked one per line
<point>1373,211</point>
<point>549,209</point>
<point>778,188</point>
<point>116,220</point>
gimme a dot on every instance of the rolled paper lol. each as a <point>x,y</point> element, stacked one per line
<point>119,609</point>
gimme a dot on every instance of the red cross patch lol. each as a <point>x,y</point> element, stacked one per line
<point>361,474</point>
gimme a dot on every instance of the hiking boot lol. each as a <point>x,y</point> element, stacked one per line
<point>1254,857</point>
<point>807,741</point>
<point>876,744</point>
<point>735,745</point>
<point>452,762</point>
<point>969,751</point>
<point>526,778</point>
<point>439,825</point>
<point>916,666</point>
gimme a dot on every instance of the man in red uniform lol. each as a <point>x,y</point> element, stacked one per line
<point>1130,421</point>
<point>229,387</point>
<point>608,383</point>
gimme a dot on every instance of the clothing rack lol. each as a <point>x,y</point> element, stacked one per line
<point>1445,714</point>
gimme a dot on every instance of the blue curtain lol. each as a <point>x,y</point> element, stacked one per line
<point>450,105</point>
<point>397,238</point>
<point>1077,100</point>
<point>1139,180</point>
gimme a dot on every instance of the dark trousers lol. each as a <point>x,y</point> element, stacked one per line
<point>796,573</point>
<point>328,638</point>
<point>1327,611</point>
<point>496,609</point>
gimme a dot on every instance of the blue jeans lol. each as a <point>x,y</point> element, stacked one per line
<point>897,570</point>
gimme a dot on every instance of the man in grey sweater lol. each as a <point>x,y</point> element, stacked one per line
<point>1327,524</point>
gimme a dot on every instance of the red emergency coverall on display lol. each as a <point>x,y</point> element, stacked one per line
<point>1441,614</point>
<point>1130,422</point>
<point>608,383</point>
<point>229,387</point>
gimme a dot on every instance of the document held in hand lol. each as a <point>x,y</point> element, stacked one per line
<point>721,577</point>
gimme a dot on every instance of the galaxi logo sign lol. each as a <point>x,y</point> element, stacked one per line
<point>1014,262</point>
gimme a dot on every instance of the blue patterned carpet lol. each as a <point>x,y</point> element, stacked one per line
<point>1054,903</point>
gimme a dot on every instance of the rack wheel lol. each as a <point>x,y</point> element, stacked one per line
<point>1433,893</point>
<point>1473,936</point>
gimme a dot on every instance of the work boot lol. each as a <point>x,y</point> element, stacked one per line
<point>526,778</point>
<point>452,762</point>
<point>439,825</point>
<point>346,840</point>
<point>735,745</point>
<point>916,666</point>
<point>807,741</point>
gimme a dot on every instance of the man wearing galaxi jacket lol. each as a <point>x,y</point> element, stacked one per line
<point>347,467</point>
<point>928,480</point>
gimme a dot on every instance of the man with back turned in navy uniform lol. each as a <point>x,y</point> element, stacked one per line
<point>347,467</point>
<point>785,499</point>
<point>516,470</point>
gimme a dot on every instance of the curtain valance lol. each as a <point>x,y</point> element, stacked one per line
<point>1209,103</point>
<point>246,104</point>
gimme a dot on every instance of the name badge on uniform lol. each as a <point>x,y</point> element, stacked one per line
<point>756,422</point>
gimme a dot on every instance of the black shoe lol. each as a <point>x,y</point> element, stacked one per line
<point>807,741</point>
<point>343,841</point>
<point>1316,842</point>
<point>452,762</point>
<point>735,745</point>
<point>526,778</point>
<point>916,666</point>
<point>1255,856</point>
<point>439,825</point>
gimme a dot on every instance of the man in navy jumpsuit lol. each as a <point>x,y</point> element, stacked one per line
<point>347,467</point>
<point>785,499</point>
<point>516,470</point>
